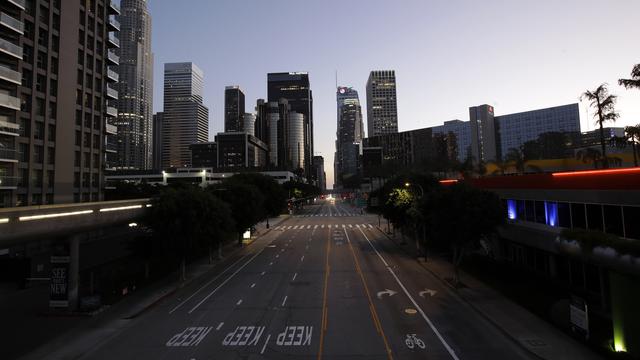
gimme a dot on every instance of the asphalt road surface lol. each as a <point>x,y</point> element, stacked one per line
<point>325,284</point>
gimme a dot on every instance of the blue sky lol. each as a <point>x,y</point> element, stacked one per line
<point>448,55</point>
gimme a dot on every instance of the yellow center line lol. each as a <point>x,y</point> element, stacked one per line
<point>325,310</point>
<point>372,308</point>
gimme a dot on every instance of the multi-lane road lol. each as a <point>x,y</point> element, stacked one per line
<point>325,284</point>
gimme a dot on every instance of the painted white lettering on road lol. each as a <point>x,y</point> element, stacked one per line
<point>295,336</point>
<point>191,336</point>
<point>244,336</point>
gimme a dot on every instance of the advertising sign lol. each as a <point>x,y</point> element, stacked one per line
<point>59,283</point>
<point>579,316</point>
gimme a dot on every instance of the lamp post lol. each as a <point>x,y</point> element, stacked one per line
<point>408,185</point>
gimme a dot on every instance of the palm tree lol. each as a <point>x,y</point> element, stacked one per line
<point>604,103</point>
<point>634,82</point>
<point>589,155</point>
<point>633,135</point>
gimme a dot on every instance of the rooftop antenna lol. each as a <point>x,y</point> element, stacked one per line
<point>336,78</point>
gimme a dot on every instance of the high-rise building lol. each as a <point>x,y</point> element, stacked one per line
<point>249,124</point>
<point>204,155</point>
<point>382,107</point>
<point>405,148</point>
<point>135,87</point>
<point>295,139</point>
<point>233,109</point>
<point>484,142</point>
<point>462,131</point>
<point>56,80</point>
<point>349,135</point>
<point>157,140</point>
<point>261,125</point>
<point>320,175</point>
<point>240,150</point>
<point>295,88</point>
<point>185,118</point>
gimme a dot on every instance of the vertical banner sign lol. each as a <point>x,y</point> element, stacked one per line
<point>579,315</point>
<point>59,283</point>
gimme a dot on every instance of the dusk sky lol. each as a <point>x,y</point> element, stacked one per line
<point>448,55</point>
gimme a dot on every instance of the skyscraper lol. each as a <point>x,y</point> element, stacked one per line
<point>349,135</point>
<point>135,87</point>
<point>382,108</point>
<point>55,87</point>
<point>157,140</point>
<point>186,119</point>
<point>321,179</point>
<point>233,109</point>
<point>295,88</point>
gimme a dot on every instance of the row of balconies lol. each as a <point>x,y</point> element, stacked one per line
<point>10,48</point>
<point>19,3</point>
<point>11,23</point>
<point>8,182</point>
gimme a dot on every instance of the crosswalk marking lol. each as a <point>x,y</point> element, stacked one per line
<point>350,226</point>
<point>323,226</point>
<point>315,227</point>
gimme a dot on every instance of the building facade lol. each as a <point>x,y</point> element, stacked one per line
<point>239,150</point>
<point>185,118</point>
<point>56,75</point>
<point>349,135</point>
<point>320,175</point>
<point>249,124</point>
<point>405,148</point>
<point>295,141</point>
<point>157,140</point>
<point>204,155</point>
<point>296,89</point>
<point>462,131</point>
<point>382,105</point>
<point>135,87</point>
<point>233,109</point>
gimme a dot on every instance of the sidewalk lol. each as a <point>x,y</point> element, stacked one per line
<point>532,333</point>
<point>34,336</point>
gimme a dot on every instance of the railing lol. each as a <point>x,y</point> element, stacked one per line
<point>111,111</point>
<point>114,40</point>
<point>114,7</point>
<point>7,127</point>
<point>111,56</point>
<point>8,182</point>
<point>111,129</point>
<point>113,75</point>
<point>112,93</point>
<point>12,23</point>
<point>8,154</point>
<point>10,75</point>
<point>9,101</point>
<point>10,48</point>
<point>19,3</point>
<point>115,24</point>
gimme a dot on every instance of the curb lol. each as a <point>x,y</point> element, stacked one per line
<point>474,307</point>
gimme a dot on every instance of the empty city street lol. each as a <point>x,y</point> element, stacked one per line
<point>324,284</point>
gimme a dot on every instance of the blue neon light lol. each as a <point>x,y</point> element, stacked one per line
<point>551,213</point>
<point>511,210</point>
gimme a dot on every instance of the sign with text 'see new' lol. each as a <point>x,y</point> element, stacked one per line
<point>59,283</point>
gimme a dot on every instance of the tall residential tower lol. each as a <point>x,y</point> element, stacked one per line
<point>135,87</point>
<point>185,118</point>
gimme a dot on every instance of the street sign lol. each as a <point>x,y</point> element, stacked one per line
<point>579,316</point>
<point>59,282</point>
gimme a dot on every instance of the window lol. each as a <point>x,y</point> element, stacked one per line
<point>43,37</point>
<point>40,108</point>
<point>55,43</point>
<point>53,87</point>
<point>24,152</point>
<point>78,97</point>
<point>529,208</point>
<point>95,180</point>
<point>50,178</point>
<point>23,180</point>
<point>97,104</point>
<point>79,117</point>
<point>594,217</point>
<point>96,142</point>
<point>78,138</point>
<point>87,140</point>
<point>89,80</point>
<point>53,110</point>
<point>51,133</point>
<point>564,215</point>
<point>76,179</point>
<point>42,60</point>
<point>88,100</point>
<point>27,54</point>
<point>97,121</point>
<point>25,127</point>
<point>36,199</point>
<point>51,155</point>
<point>87,160</point>
<point>80,57</point>
<point>41,83</point>
<point>76,159</point>
<point>39,131</point>
<point>38,154</point>
<point>632,222</point>
<point>27,78</point>
<point>89,62</point>
<point>612,219</point>
<point>28,30</point>
<point>87,120</point>
<point>86,180</point>
<point>98,84</point>
<point>54,65</point>
<point>578,216</point>
<point>80,77</point>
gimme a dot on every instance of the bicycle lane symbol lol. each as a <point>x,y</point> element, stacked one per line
<point>412,341</point>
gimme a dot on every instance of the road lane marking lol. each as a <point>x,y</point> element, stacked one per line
<point>244,336</point>
<point>262,273</point>
<point>284,301</point>
<point>302,258</point>
<point>329,226</point>
<point>351,226</point>
<point>404,289</point>
<point>191,336</point>
<point>323,226</point>
<point>315,227</point>
<point>271,263</point>
<point>324,300</point>
<point>308,227</point>
<point>207,284</point>
<point>294,277</point>
<point>239,302</point>
<point>219,326</point>
<point>225,281</point>
<point>372,308</point>
<point>358,226</point>
<point>277,256</point>
<point>253,285</point>
<point>281,250</point>
<point>265,344</point>
<point>295,336</point>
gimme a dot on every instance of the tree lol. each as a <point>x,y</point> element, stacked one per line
<point>246,203</point>
<point>604,104</point>
<point>275,197</point>
<point>188,219</point>
<point>633,136</point>
<point>478,211</point>
<point>589,155</point>
<point>634,82</point>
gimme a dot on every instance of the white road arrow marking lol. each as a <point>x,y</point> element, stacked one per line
<point>427,291</point>
<point>386,292</point>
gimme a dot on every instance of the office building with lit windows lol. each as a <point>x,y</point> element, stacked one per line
<point>185,119</point>
<point>382,105</point>
<point>57,70</point>
<point>233,109</point>
<point>135,87</point>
